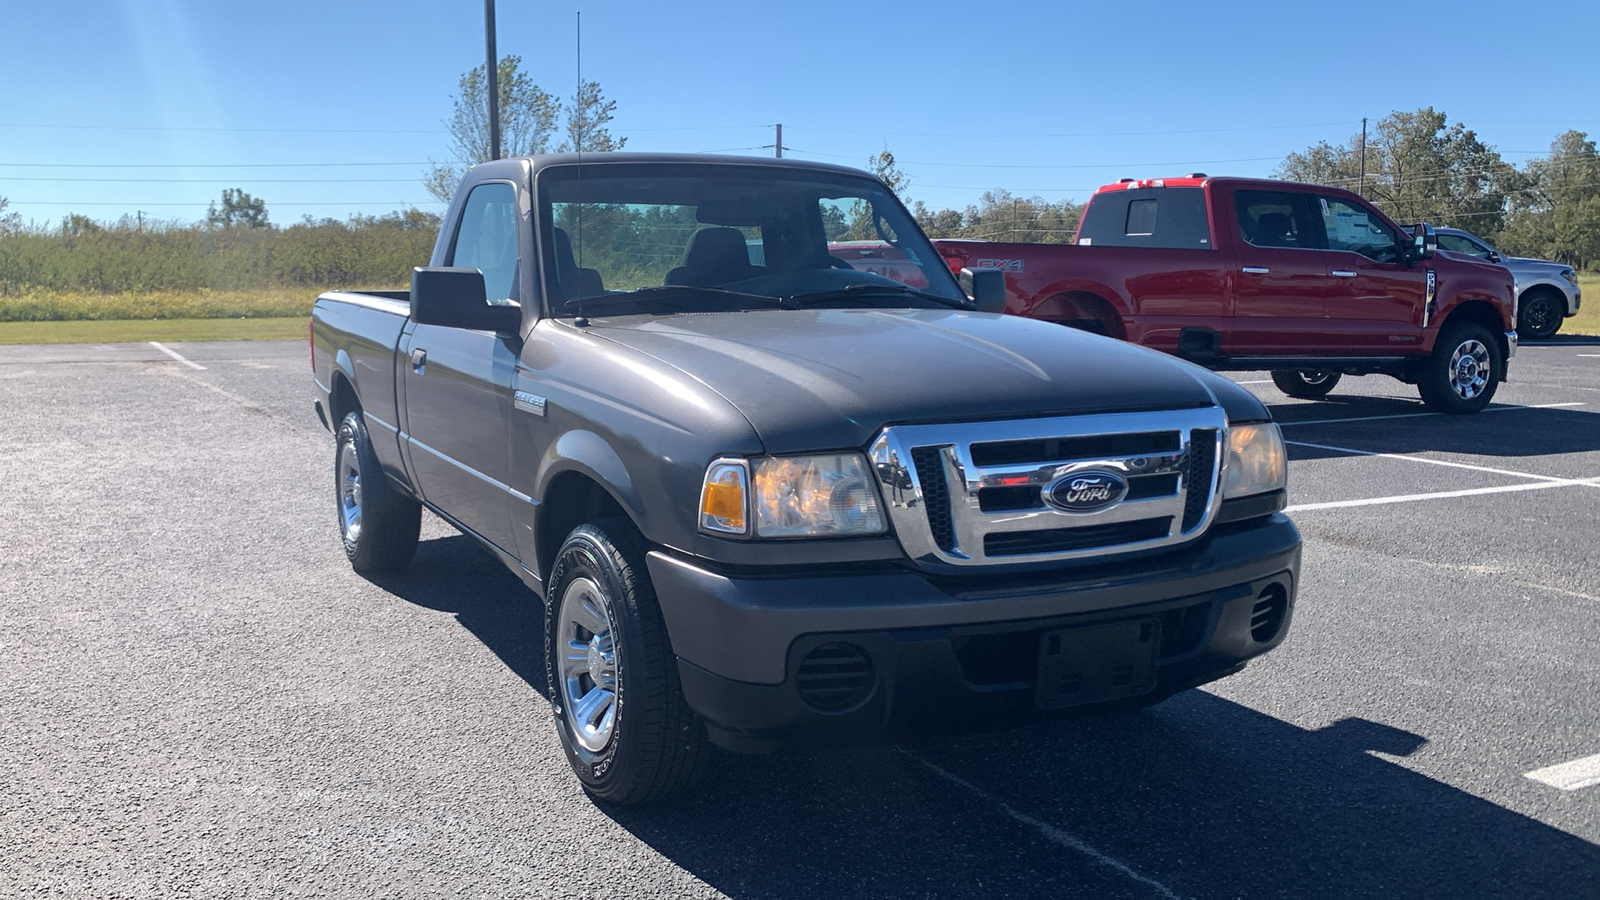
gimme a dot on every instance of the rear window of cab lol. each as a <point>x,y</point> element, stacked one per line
<point>1172,218</point>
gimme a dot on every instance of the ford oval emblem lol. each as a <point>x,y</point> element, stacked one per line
<point>1085,492</point>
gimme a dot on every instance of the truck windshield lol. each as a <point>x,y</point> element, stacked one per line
<point>730,236</point>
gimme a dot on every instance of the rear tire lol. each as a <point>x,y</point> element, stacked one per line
<point>1305,384</point>
<point>1540,313</point>
<point>619,710</point>
<point>378,525</point>
<point>1464,370</point>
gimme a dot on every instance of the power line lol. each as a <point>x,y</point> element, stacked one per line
<point>393,203</point>
<point>1191,162</point>
<point>1078,134</point>
<point>34,165</point>
<point>213,129</point>
<point>247,180</point>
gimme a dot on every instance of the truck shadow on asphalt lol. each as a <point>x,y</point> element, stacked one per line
<point>456,575</point>
<point>1520,433</point>
<point>1202,796</point>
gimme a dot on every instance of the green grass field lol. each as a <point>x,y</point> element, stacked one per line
<point>114,331</point>
<point>1587,321</point>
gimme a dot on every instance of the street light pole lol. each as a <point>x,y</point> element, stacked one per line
<point>493,80</point>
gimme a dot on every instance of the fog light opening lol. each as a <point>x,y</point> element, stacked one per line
<point>834,678</point>
<point>1266,618</point>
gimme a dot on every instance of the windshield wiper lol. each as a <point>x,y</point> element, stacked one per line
<point>857,291</point>
<point>665,295</point>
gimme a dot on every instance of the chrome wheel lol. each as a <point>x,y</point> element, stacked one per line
<point>1315,379</point>
<point>1470,369</point>
<point>349,493</point>
<point>588,664</point>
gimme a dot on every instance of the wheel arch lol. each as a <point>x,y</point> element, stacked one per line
<point>1480,312</point>
<point>1074,305</point>
<point>573,497</point>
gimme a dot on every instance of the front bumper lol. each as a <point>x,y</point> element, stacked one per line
<point>960,654</point>
<point>1511,345</point>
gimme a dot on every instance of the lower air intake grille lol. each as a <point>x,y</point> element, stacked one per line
<point>935,496</point>
<point>1054,540</point>
<point>1266,617</point>
<point>834,677</point>
<point>1202,462</point>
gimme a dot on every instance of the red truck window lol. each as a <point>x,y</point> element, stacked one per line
<point>1351,227</point>
<point>1276,219</point>
<point>1171,218</point>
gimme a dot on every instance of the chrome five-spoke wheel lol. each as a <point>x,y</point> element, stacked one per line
<point>588,668</point>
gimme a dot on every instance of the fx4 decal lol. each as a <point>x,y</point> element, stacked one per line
<point>1004,265</point>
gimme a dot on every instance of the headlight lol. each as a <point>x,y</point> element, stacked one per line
<point>1256,462</point>
<point>1571,276</point>
<point>791,496</point>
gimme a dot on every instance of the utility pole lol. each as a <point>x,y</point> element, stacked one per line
<point>778,147</point>
<point>140,213</point>
<point>493,80</point>
<point>1361,187</point>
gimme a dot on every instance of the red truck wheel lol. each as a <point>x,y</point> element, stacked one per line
<point>1462,373</point>
<point>1305,384</point>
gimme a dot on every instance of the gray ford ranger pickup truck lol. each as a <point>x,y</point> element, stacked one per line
<point>789,503</point>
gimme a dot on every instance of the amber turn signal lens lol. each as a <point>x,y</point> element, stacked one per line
<point>722,499</point>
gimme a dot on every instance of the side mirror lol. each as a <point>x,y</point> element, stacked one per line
<point>454,297</point>
<point>1494,256</point>
<point>1424,242</point>
<point>986,287</point>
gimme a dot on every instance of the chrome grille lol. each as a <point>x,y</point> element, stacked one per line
<point>971,494</point>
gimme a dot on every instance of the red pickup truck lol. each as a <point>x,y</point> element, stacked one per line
<point>1306,281</point>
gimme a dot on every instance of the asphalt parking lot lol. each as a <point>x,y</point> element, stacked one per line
<point>201,699</point>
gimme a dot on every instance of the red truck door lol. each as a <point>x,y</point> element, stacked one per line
<point>1377,300</point>
<point>1280,275</point>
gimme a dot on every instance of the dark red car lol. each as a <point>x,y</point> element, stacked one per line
<point>1307,281</point>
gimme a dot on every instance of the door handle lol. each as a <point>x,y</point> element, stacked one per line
<point>1343,273</point>
<point>1256,270</point>
<point>419,360</point>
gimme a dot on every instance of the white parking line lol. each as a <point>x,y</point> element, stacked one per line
<point>1418,415</point>
<point>1444,495</point>
<point>1570,776</point>
<point>1050,832</point>
<point>1439,462</point>
<point>1590,355</point>
<point>172,353</point>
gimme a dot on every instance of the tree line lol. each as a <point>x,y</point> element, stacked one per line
<point>1416,166</point>
<point>1420,167</point>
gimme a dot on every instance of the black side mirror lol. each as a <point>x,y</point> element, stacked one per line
<point>1494,256</point>
<point>1424,242</point>
<point>986,287</point>
<point>454,297</point>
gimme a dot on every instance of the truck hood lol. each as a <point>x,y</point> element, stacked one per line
<point>830,379</point>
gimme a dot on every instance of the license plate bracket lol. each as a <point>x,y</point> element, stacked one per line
<point>1094,663</point>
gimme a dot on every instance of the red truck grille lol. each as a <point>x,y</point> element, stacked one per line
<point>1008,492</point>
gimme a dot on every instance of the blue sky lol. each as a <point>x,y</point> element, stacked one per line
<point>331,108</point>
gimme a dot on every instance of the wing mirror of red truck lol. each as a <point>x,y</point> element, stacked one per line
<point>454,297</point>
<point>986,287</point>
<point>1424,242</point>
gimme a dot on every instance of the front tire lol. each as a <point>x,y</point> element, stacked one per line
<point>1464,370</point>
<point>1540,313</point>
<point>1305,384</point>
<point>378,525</point>
<point>619,710</point>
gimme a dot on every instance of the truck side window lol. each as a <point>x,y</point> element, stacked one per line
<point>1275,219</point>
<point>1356,229</point>
<point>487,238</point>
<point>1455,243</point>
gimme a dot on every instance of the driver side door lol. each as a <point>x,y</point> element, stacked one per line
<point>1375,307</point>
